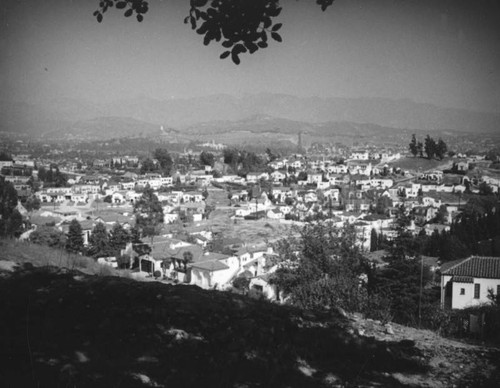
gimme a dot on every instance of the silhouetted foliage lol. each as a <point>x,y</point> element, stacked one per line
<point>241,26</point>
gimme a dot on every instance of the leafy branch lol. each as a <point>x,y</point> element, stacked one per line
<point>242,26</point>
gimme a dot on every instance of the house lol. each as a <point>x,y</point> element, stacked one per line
<point>467,282</point>
<point>278,176</point>
<point>262,284</point>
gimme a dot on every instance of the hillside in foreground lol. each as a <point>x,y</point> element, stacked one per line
<point>63,328</point>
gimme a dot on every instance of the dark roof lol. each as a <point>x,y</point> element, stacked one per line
<point>474,266</point>
<point>463,279</point>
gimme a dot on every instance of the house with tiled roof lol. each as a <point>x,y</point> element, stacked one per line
<point>467,282</point>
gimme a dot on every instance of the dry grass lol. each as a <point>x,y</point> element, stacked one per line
<point>422,164</point>
<point>42,256</point>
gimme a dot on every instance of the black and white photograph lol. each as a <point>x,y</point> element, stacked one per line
<point>249,193</point>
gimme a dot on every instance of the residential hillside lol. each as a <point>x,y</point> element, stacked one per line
<point>62,328</point>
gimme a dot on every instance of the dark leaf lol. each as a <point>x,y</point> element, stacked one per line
<point>267,22</point>
<point>140,18</point>
<point>207,38</point>
<point>276,36</point>
<point>96,13</point>
<point>252,47</point>
<point>217,35</point>
<point>263,36</point>
<point>99,18</point>
<point>186,20</point>
<point>227,43</point>
<point>276,27</point>
<point>193,22</point>
<point>235,58</point>
<point>239,48</point>
<point>225,54</point>
<point>121,4</point>
<point>203,29</point>
<point>262,44</point>
<point>128,12</point>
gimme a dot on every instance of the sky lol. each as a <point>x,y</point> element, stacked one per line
<point>443,52</point>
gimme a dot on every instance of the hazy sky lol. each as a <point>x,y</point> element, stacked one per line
<point>442,52</point>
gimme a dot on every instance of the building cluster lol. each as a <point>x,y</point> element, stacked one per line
<point>366,190</point>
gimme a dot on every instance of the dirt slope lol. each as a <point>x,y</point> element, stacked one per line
<point>60,328</point>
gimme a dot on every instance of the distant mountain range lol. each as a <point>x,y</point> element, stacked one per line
<point>261,112</point>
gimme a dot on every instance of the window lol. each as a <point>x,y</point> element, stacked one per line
<point>477,289</point>
<point>462,291</point>
<point>498,291</point>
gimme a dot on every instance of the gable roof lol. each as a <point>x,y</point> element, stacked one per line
<point>475,266</point>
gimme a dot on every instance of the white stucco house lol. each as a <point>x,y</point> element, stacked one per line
<point>466,283</point>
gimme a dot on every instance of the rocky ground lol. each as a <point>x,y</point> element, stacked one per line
<point>61,328</point>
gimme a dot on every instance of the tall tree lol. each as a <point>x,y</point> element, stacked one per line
<point>9,216</point>
<point>99,241</point>
<point>430,147</point>
<point>420,149</point>
<point>148,213</point>
<point>413,145</point>
<point>74,240</point>
<point>373,240</point>
<point>441,149</point>
<point>118,239</point>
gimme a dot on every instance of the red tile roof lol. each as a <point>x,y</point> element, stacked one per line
<point>476,266</point>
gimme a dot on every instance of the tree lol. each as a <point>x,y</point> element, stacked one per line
<point>118,239</point>
<point>441,149</point>
<point>485,189</point>
<point>32,203</point>
<point>420,149</point>
<point>430,147</point>
<point>322,268</point>
<point>99,241</point>
<point>48,236</point>
<point>373,240</point>
<point>165,160</point>
<point>413,145</point>
<point>148,166</point>
<point>9,216</point>
<point>187,257</point>
<point>207,158</point>
<point>148,213</point>
<point>441,215</point>
<point>242,25</point>
<point>74,240</point>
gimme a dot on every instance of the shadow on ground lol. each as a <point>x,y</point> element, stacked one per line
<point>61,329</point>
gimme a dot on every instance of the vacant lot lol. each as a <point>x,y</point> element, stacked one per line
<point>421,164</point>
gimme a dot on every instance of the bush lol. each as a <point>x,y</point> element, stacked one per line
<point>157,274</point>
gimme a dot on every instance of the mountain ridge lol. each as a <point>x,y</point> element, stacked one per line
<point>64,113</point>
